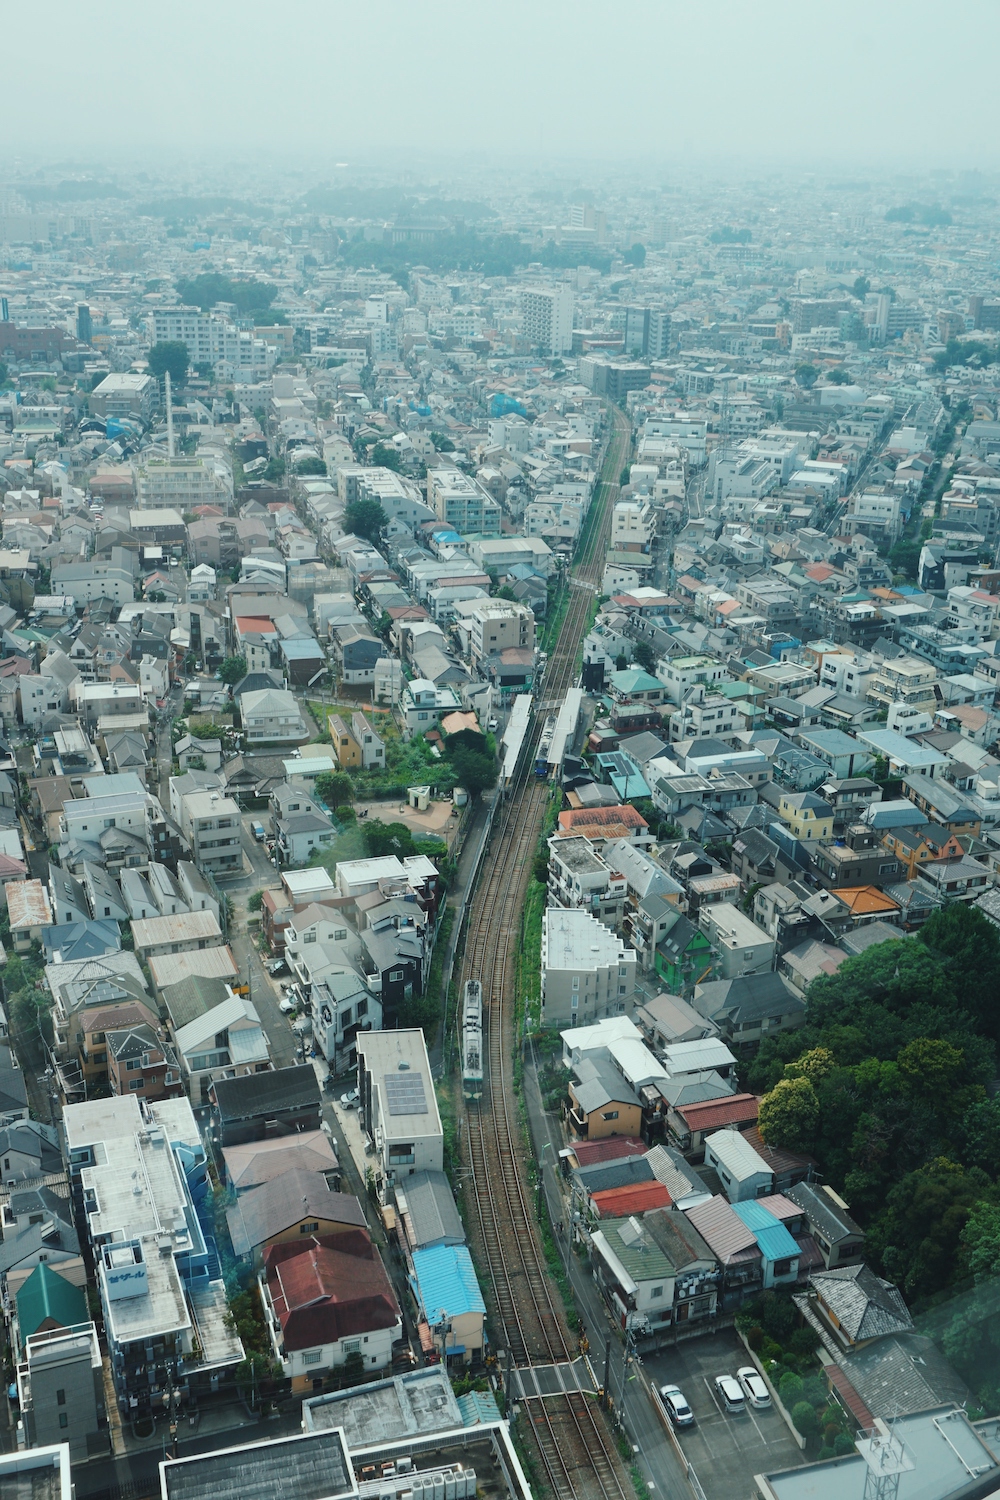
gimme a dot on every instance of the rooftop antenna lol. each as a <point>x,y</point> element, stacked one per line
<point>170,416</point>
<point>886,1461</point>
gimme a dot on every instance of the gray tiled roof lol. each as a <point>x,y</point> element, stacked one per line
<point>865,1305</point>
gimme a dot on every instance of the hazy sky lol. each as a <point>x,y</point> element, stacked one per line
<point>861,82</point>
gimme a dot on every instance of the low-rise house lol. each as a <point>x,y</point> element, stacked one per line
<point>735,1248</point>
<point>282,1102</point>
<point>426,1207</point>
<point>28,912</point>
<point>684,955</point>
<point>224,1042</point>
<point>285,1210</point>
<point>325,1300</point>
<point>742,1171</point>
<point>356,746</point>
<point>861,859</point>
<point>841,1241</point>
<point>341,1006</point>
<point>742,948</point>
<point>667,1019</point>
<point>272,716</point>
<point>954,879</point>
<point>635,1276</point>
<point>601,1102</point>
<point>256,1162</point>
<point>28,1149</point>
<point>140,1062</point>
<point>184,933</point>
<point>689,1124</point>
<point>856,1306</point>
<point>449,1303</point>
<point>749,1007</point>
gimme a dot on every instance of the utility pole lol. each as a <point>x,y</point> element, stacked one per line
<point>606,1393</point>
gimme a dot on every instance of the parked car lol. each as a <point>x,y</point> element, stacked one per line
<point>730,1393</point>
<point>286,1005</point>
<point>676,1405</point>
<point>754,1386</point>
<point>258,831</point>
<point>277,966</point>
<point>350,1099</point>
<point>493,725</point>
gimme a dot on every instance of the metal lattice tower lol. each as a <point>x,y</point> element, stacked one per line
<point>886,1461</point>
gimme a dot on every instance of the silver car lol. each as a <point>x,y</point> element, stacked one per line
<point>676,1405</point>
<point>730,1393</point>
<point>754,1387</point>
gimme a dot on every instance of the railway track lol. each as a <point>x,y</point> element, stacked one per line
<point>574,1443</point>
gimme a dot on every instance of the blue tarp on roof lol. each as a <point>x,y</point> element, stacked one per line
<point>446,1281</point>
<point>773,1239</point>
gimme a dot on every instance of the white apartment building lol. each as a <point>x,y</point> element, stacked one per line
<point>212,340</point>
<point>181,484</point>
<point>496,624</point>
<point>587,972</point>
<point>633,526</point>
<point>212,824</point>
<point>462,502</point>
<point>681,674</point>
<point>741,946</point>
<point>398,1104</point>
<point>581,879</point>
<point>547,318</point>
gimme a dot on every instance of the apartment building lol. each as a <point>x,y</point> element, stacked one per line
<point>547,318</point>
<point>462,502</point>
<point>140,1182</point>
<point>587,972</point>
<point>680,674</point>
<point>497,625</point>
<point>134,396</point>
<point>398,1105</point>
<point>742,947</point>
<point>212,824</point>
<point>580,878</point>
<point>905,679</point>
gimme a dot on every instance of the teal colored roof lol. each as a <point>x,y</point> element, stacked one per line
<point>478,1406</point>
<point>48,1297</point>
<point>446,1281</point>
<point>773,1239</point>
<point>634,680</point>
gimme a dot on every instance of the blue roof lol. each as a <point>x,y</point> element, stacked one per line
<point>630,786</point>
<point>299,648</point>
<point>773,1239</point>
<point>478,1406</point>
<point>446,1281</point>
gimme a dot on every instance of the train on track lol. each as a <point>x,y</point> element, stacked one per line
<point>544,746</point>
<point>472,1040</point>
<point>558,735</point>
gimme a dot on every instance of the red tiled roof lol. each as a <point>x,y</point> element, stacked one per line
<point>610,1148</point>
<point>321,1293</point>
<point>861,900</point>
<point>635,1198</point>
<point>848,1396</point>
<point>713,1114</point>
<point>626,814</point>
<point>255,625</point>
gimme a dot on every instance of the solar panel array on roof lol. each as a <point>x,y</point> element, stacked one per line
<point>404,1094</point>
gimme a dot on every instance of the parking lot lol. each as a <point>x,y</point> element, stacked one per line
<point>725,1451</point>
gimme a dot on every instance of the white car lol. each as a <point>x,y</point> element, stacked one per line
<point>754,1387</point>
<point>730,1393</point>
<point>676,1405</point>
<point>349,1100</point>
<point>286,1006</point>
<point>493,725</point>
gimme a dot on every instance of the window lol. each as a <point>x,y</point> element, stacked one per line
<point>656,1291</point>
<point>309,1228</point>
<point>351,1346</point>
<point>312,1356</point>
<point>131,1064</point>
<point>610,1114</point>
<point>340,935</point>
<point>395,974</point>
<point>134,1084</point>
<point>783,1267</point>
<point>60,1397</point>
<point>64,1419</point>
<point>309,937</point>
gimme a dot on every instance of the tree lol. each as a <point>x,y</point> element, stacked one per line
<point>861,288</point>
<point>625,476</point>
<point>335,788</point>
<point>981,1241</point>
<point>233,670</point>
<point>166,357</point>
<point>918,1236</point>
<point>442,443</point>
<point>969,944</point>
<point>310,465</point>
<point>386,456</point>
<point>475,770</point>
<point>210,731</point>
<point>806,376</point>
<point>4,372</point>
<point>839,376</point>
<point>506,592</point>
<point>382,839</point>
<point>636,256</point>
<point>365,518</point>
<point>645,655</point>
<point>805,1418</point>
<point>256,901</point>
<point>206,290</point>
<point>789,1114</point>
<point>930,1069</point>
<point>274,470</point>
<point>814,1065</point>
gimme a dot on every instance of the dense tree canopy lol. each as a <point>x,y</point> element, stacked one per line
<point>169,357</point>
<point>365,518</point>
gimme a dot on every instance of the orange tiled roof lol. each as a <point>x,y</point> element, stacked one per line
<point>626,814</point>
<point>864,899</point>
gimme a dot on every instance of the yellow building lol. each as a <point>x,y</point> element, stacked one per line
<point>808,817</point>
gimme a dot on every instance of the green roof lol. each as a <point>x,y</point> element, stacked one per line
<point>47,1297</point>
<point>638,1252</point>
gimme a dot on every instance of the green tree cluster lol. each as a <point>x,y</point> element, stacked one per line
<point>365,518</point>
<point>233,670</point>
<point>168,358</point>
<point>206,290</point>
<point>887,1087</point>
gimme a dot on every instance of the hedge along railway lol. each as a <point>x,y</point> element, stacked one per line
<point>577,1452</point>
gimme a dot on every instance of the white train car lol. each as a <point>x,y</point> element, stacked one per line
<point>472,1040</point>
<point>564,733</point>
